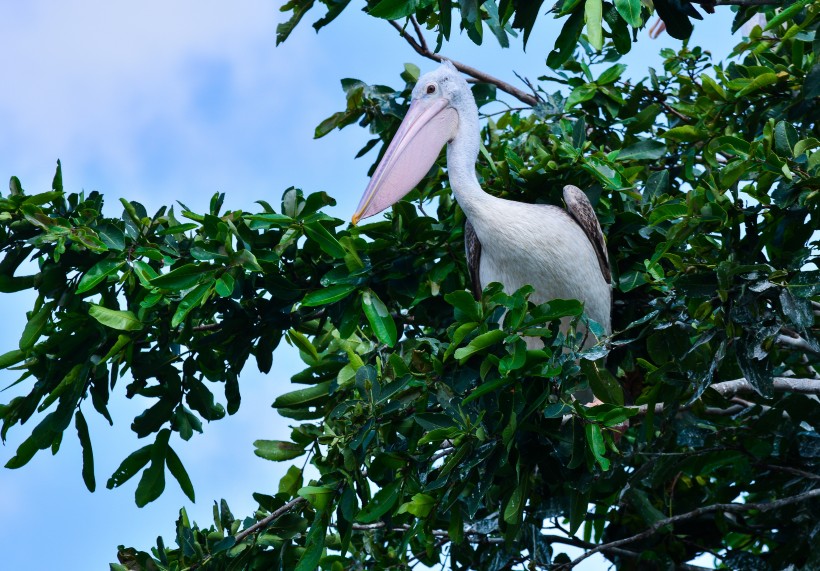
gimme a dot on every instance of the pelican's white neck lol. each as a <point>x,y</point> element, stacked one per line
<point>462,153</point>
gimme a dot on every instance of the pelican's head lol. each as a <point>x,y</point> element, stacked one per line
<point>441,100</point>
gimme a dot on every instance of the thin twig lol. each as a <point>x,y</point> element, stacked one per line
<point>793,471</point>
<point>731,507</point>
<point>466,69</point>
<point>206,327</point>
<point>263,523</point>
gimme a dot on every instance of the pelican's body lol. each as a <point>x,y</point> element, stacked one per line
<point>561,253</point>
<point>542,246</point>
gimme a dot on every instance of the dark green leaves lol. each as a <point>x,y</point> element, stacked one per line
<point>88,454</point>
<point>152,482</point>
<point>130,466</point>
<point>393,9</point>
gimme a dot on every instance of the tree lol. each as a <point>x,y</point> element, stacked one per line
<point>433,428</point>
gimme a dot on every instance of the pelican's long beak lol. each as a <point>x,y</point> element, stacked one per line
<point>426,128</point>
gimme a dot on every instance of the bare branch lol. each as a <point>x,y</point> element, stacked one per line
<point>784,384</point>
<point>730,389</point>
<point>263,523</point>
<point>796,342</point>
<point>731,507</point>
<point>423,50</point>
<point>419,33</point>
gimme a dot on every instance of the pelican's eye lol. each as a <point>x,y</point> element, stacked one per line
<point>431,89</point>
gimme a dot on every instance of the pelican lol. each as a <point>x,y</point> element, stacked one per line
<point>560,252</point>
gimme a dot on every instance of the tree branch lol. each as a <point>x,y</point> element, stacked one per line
<point>731,507</point>
<point>796,342</point>
<point>423,50</point>
<point>731,389</point>
<point>263,523</point>
<point>784,384</point>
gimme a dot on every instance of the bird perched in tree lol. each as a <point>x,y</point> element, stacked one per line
<point>559,252</point>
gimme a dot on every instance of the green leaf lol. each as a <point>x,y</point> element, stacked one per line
<point>381,503</point>
<point>757,83</point>
<point>604,385</point>
<point>270,220</point>
<point>327,242</point>
<point>611,75</point>
<point>178,471</point>
<point>35,327</point>
<point>225,285</point>
<point>314,543</point>
<point>277,450</point>
<point>182,278</point>
<point>304,345</point>
<point>191,301</point>
<point>580,94</point>
<point>111,236</point>
<point>327,295</point>
<point>805,284</point>
<point>379,318</point>
<point>115,319</point>
<point>645,149</point>
<point>466,307</point>
<point>318,496</point>
<point>98,273</point>
<point>480,343</point>
<point>393,9</point>
<point>485,388</point>
<point>11,358</point>
<point>130,466</point>
<point>88,453</point>
<point>593,16</point>
<point>685,134</point>
<point>595,440</point>
<point>785,139</point>
<point>152,482</point>
<point>420,506</point>
<point>656,185</point>
<point>515,506</point>
<point>786,14</point>
<point>667,212</point>
<point>630,10</point>
<point>303,397</point>
<point>567,40</point>
<point>144,272</point>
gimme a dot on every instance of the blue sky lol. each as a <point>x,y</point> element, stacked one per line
<point>162,101</point>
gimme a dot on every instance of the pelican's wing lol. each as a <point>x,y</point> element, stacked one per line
<point>582,212</point>
<point>473,249</point>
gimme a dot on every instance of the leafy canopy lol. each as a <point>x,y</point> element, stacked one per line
<point>434,431</point>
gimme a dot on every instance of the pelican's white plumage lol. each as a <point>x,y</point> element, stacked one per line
<point>561,253</point>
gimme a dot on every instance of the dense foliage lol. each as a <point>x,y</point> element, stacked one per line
<point>434,430</point>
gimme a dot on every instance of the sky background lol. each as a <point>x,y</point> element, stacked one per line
<point>161,101</point>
